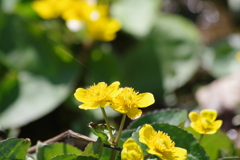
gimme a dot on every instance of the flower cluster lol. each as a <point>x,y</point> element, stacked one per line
<point>94,16</point>
<point>123,100</point>
<point>206,122</point>
<point>158,142</point>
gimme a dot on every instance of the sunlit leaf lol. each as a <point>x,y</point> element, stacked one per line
<point>93,149</point>
<point>47,151</point>
<point>14,148</point>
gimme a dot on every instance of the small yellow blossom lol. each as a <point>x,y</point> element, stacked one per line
<point>103,29</point>
<point>131,151</point>
<point>98,95</point>
<point>205,122</point>
<point>48,9</point>
<point>128,102</point>
<point>160,144</point>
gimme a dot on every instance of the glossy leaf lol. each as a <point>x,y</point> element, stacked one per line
<point>173,117</point>
<point>47,151</point>
<point>43,79</point>
<point>14,148</point>
<point>93,149</point>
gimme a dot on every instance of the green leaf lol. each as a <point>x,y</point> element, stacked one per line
<point>13,148</point>
<point>178,45</point>
<point>127,134</point>
<point>101,131</point>
<point>136,17</point>
<point>173,117</point>
<point>106,152</point>
<point>72,157</point>
<point>94,149</point>
<point>44,80</point>
<point>224,52</point>
<point>166,59</point>
<point>214,147</point>
<point>181,138</point>
<point>47,151</point>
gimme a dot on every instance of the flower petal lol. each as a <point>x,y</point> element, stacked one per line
<point>131,151</point>
<point>146,99</point>
<point>145,133</point>
<point>210,115</point>
<point>134,113</point>
<point>193,116</point>
<point>215,126</point>
<point>80,94</point>
<point>86,106</point>
<point>179,153</point>
<point>113,89</point>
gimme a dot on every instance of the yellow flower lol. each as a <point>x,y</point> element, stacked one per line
<point>128,102</point>
<point>205,122</point>
<point>160,144</point>
<point>131,151</point>
<point>98,95</point>
<point>48,9</point>
<point>103,29</point>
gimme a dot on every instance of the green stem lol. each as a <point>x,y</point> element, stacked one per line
<point>120,129</point>
<point>147,156</point>
<point>113,154</point>
<point>200,138</point>
<point>108,125</point>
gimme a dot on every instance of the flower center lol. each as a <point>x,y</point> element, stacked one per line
<point>162,142</point>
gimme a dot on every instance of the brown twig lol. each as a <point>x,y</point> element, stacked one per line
<point>71,134</point>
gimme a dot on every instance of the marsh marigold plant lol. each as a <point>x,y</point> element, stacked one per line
<point>206,122</point>
<point>160,144</point>
<point>128,102</point>
<point>98,95</point>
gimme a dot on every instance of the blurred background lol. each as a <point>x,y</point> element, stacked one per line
<point>185,52</point>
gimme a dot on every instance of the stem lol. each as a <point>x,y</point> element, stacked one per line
<point>147,156</point>
<point>120,129</point>
<point>113,153</point>
<point>201,136</point>
<point>108,125</point>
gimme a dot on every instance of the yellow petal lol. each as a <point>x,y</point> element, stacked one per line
<point>197,126</point>
<point>179,153</point>
<point>113,89</point>
<point>118,108</point>
<point>210,115</point>
<point>193,116</point>
<point>146,100</point>
<point>134,113</point>
<point>80,94</point>
<point>215,127</point>
<point>145,134</point>
<point>89,106</point>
